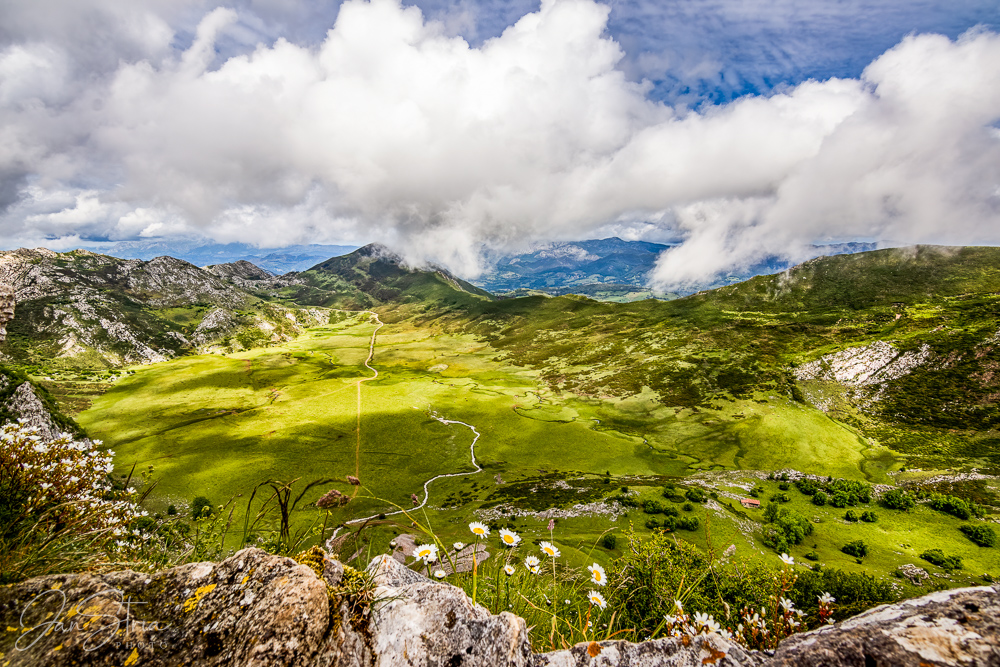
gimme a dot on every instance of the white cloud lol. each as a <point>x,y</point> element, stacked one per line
<point>394,129</point>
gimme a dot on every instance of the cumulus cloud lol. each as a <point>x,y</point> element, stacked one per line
<point>393,128</point>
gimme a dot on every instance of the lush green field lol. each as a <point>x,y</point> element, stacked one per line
<point>218,425</point>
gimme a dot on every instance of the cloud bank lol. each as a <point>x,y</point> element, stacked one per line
<point>394,129</point>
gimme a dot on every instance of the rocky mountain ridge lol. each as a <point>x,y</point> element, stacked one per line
<point>258,609</point>
<point>100,310</point>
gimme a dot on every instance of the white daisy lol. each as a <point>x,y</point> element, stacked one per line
<point>426,553</point>
<point>479,529</point>
<point>596,599</point>
<point>597,575</point>
<point>459,546</point>
<point>508,569</point>
<point>439,574</point>
<point>787,560</point>
<point>549,549</point>
<point>509,538</point>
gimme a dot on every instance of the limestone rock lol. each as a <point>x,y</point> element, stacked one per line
<point>430,623</point>
<point>251,609</point>
<point>703,650</point>
<point>956,627</point>
<point>25,405</point>
<point>6,309</point>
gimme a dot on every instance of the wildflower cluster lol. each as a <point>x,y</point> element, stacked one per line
<point>63,482</point>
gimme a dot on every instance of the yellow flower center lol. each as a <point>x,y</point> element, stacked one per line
<point>509,539</point>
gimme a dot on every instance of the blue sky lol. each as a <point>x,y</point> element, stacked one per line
<point>741,128</point>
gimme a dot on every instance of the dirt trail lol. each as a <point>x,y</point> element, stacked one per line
<point>371,355</point>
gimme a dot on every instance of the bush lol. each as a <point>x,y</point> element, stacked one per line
<point>850,515</point>
<point>981,534</point>
<point>784,486</point>
<point>844,492</point>
<point>785,528</point>
<point>609,541</point>
<point>857,548</point>
<point>201,507</point>
<point>688,523</point>
<point>819,498</point>
<point>897,499</point>
<point>171,510</point>
<point>937,557</point>
<point>869,517</point>
<point>807,486</point>
<point>812,555</point>
<point>781,498</point>
<point>695,495</point>
<point>855,592</point>
<point>58,507</point>
<point>955,506</point>
<point>687,507</point>
<point>652,507</point>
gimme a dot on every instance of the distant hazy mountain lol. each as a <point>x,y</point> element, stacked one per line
<point>274,260</point>
<point>611,269</point>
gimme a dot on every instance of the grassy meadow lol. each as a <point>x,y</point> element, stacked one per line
<point>218,425</point>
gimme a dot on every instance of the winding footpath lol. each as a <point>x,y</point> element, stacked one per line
<point>357,449</point>
<point>371,355</point>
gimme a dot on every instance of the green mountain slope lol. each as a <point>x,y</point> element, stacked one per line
<point>373,276</point>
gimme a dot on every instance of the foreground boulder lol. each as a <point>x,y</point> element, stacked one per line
<point>263,610</point>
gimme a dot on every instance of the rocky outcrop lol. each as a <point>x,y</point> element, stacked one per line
<point>6,309</point>
<point>135,312</point>
<point>957,627</point>
<point>873,364</point>
<point>25,406</point>
<point>262,610</point>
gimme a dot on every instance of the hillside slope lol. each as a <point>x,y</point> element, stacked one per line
<point>92,310</point>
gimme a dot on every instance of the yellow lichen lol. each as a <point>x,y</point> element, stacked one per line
<point>314,558</point>
<point>132,659</point>
<point>192,602</point>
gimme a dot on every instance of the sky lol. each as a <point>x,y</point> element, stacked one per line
<point>740,129</point>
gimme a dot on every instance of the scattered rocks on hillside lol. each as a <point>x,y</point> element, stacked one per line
<point>872,364</point>
<point>915,575</point>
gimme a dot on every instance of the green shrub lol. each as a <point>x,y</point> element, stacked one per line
<point>171,510</point>
<point>652,507</point>
<point>857,548</point>
<point>781,498</point>
<point>938,557</point>
<point>850,515</point>
<point>981,534</point>
<point>695,495</point>
<point>687,507</point>
<point>819,498</point>
<point>201,507</point>
<point>784,486</point>
<point>847,492</point>
<point>609,541</point>
<point>897,499</point>
<point>812,555</point>
<point>785,527</point>
<point>688,523</point>
<point>806,486</point>
<point>869,517</point>
<point>954,506</point>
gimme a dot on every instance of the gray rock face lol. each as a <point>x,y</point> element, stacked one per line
<point>6,309</point>
<point>427,623</point>
<point>26,405</point>
<point>704,650</point>
<point>957,627</point>
<point>263,610</point>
